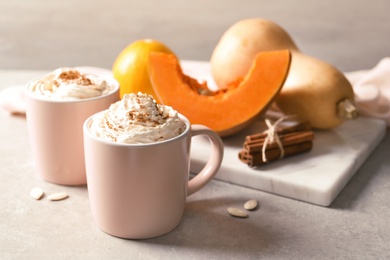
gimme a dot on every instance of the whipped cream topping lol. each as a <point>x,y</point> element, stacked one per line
<point>136,119</point>
<point>70,84</point>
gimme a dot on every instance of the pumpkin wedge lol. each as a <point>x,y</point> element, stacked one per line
<point>225,111</point>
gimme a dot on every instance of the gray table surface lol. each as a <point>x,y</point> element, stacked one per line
<point>36,36</point>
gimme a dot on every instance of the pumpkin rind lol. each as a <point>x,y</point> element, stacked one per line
<point>228,111</point>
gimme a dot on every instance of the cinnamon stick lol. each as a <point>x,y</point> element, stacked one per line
<point>302,126</point>
<point>286,140</point>
<point>255,159</point>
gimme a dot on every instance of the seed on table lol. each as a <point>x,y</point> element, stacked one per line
<point>57,196</point>
<point>235,212</point>
<point>36,193</point>
<point>250,204</point>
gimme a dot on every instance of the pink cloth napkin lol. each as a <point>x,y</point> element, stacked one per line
<point>372,90</point>
<point>371,87</point>
<point>12,100</point>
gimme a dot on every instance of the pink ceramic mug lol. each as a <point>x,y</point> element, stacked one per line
<point>139,191</point>
<point>56,134</point>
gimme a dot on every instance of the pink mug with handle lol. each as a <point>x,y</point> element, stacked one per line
<point>139,191</point>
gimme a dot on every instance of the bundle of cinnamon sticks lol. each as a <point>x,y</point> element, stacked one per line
<point>259,148</point>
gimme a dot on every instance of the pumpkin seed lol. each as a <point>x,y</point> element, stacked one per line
<point>250,204</point>
<point>58,196</point>
<point>235,212</point>
<point>36,193</point>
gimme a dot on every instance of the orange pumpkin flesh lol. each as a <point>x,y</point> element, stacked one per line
<point>225,111</point>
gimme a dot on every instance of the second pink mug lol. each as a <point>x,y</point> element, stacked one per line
<point>56,134</point>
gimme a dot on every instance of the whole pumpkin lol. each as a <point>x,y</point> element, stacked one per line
<point>130,68</point>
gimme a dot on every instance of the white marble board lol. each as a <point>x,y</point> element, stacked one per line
<point>315,177</point>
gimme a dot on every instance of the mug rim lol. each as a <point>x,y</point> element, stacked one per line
<point>112,81</point>
<point>86,130</point>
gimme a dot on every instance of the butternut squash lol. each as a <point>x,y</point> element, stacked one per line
<point>225,111</point>
<point>317,92</point>
<point>314,91</point>
<point>233,55</point>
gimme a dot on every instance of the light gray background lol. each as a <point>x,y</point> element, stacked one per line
<point>39,34</point>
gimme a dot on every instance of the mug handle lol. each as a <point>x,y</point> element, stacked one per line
<point>213,164</point>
